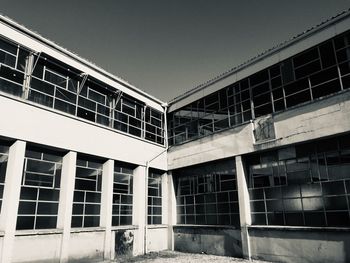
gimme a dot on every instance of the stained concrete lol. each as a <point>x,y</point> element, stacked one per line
<point>209,240</point>
<point>300,244</point>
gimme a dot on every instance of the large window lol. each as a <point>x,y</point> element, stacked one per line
<point>207,194</point>
<point>12,66</point>
<point>310,75</point>
<point>87,193</point>
<point>40,187</point>
<point>154,197</point>
<point>54,84</point>
<point>4,148</point>
<point>122,195</point>
<point>302,185</point>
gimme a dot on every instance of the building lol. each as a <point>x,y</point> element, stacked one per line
<point>254,163</point>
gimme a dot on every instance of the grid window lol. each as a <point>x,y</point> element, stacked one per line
<point>302,185</point>
<point>87,193</point>
<point>122,195</point>
<point>154,198</point>
<point>207,194</point>
<point>40,187</point>
<point>313,74</point>
<point>12,66</point>
<point>4,148</point>
<point>61,87</point>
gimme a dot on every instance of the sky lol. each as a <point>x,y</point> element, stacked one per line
<point>167,47</point>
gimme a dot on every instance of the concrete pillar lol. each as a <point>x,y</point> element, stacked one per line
<point>171,208</point>
<point>165,194</point>
<point>106,206</point>
<point>66,201</point>
<point>12,189</point>
<point>139,208</point>
<point>244,206</point>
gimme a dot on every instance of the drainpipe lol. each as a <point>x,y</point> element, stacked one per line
<point>165,106</point>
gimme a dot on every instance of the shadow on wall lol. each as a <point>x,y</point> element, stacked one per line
<point>305,245</point>
<point>217,241</point>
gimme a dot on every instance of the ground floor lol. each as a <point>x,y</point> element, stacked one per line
<point>289,204</point>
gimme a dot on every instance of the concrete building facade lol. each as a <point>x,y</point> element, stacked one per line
<point>254,163</point>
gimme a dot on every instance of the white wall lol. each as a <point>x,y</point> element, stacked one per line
<point>32,248</point>
<point>86,245</point>
<point>29,122</point>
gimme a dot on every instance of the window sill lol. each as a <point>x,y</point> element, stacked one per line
<point>300,228</point>
<point>33,232</point>
<point>87,229</point>
<point>156,226</point>
<point>129,227</point>
<point>206,226</point>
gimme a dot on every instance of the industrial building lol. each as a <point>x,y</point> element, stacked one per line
<point>254,163</point>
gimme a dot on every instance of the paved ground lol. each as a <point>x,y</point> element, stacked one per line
<point>178,257</point>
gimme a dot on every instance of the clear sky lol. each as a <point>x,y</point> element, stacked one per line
<point>167,47</point>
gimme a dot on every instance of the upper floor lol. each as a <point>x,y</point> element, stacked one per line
<point>308,68</point>
<point>36,70</point>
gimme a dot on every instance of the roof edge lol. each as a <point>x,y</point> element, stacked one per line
<point>263,55</point>
<point>76,57</point>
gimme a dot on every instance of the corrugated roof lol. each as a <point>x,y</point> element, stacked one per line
<point>262,55</point>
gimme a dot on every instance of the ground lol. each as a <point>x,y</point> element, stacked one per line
<point>178,257</point>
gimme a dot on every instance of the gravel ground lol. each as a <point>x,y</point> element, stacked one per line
<point>178,257</point>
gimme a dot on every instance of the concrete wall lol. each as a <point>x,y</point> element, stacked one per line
<point>221,241</point>
<point>157,238</point>
<point>86,246</point>
<point>29,122</point>
<point>37,248</point>
<point>321,118</point>
<point>217,146</point>
<point>300,245</point>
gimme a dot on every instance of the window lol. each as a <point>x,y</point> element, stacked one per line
<point>87,193</point>
<point>12,65</point>
<point>122,195</point>
<point>302,185</point>
<point>40,187</point>
<point>207,194</point>
<point>312,74</point>
<point>61,87</point>
<point>154,197</point>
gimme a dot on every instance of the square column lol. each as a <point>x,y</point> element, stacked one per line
<point>171,209</point>
<point>139,209</point>
<point>165,194</point>
<point>244,206</point>
<point>12,189</point>
<point>65,206</point>
<point>106,206</point>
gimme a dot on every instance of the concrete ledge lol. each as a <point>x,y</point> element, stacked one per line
<point>206,226</point>
<point>131,227</point>
<point>300,228</point>
<point>90,229</point>
<point>38,232</point>
<point>156,226</point>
